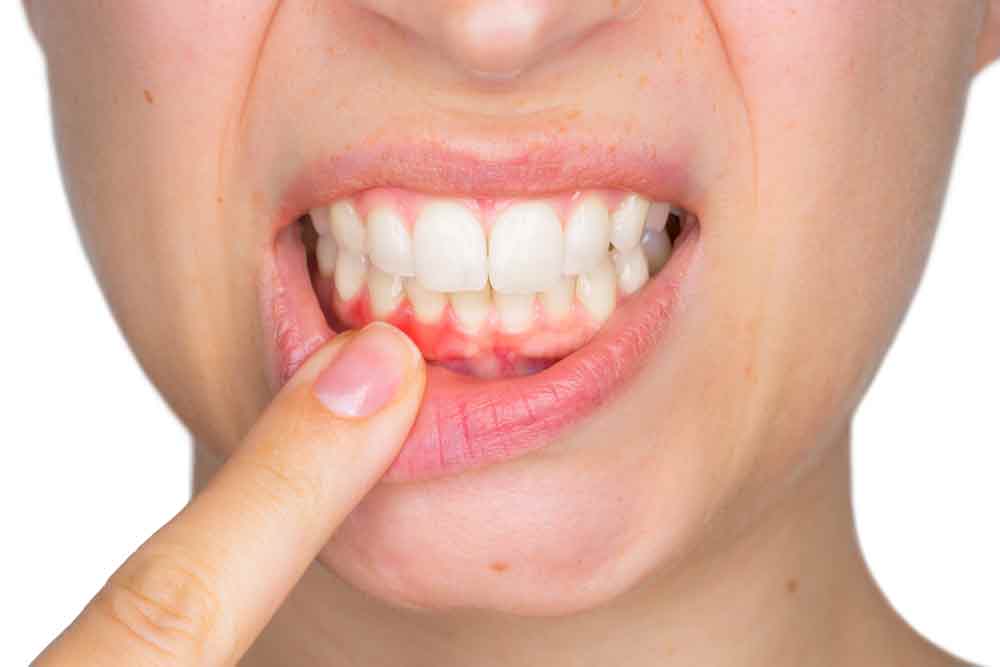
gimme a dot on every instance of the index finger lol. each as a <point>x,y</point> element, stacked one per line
<point>202,588</point>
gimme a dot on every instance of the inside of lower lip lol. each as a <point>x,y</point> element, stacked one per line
<point>447,342</point>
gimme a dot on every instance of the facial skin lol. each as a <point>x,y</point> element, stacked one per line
<point>818,138</point>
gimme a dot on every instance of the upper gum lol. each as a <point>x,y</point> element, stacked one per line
<point>408,204</point>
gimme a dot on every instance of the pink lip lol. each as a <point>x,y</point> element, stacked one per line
<point>467,422</point>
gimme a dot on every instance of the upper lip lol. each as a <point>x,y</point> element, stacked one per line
<point>502,168</point>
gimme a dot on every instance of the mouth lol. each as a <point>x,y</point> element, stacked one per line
<point>531,311</point>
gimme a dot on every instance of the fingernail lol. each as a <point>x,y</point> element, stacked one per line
<point>367,372</point>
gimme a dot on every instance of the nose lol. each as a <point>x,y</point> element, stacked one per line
<point>499,39</point>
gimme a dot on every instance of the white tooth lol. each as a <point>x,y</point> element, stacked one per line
<point>326,255</point>
<point>321,220</point>
<point>472,308</point>
<point>449,248</point>
<point>385,291</point>
<point>656,219</point>
<point>597,291</point>
<point>516,311</point>
<point>526,249</point>
<point>389,244</point>
<point>657,247</point>
<point>558,299</point>
<point>349,275</point>
<point>588,234</point>
<point>428,305</point>
<point>627,222</point>
<point>632,269</point>
<point>347,227</point>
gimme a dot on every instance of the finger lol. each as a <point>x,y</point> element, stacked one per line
<point>203,587</point>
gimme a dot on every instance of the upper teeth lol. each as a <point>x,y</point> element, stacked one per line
<point>527,251</point>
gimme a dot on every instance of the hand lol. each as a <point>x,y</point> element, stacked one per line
<point>202,588</point>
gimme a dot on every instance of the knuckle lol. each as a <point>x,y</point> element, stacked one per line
<point>164,603</point>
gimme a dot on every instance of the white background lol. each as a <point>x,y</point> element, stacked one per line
<point>93,462</point>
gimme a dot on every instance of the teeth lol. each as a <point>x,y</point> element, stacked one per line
<point>347,227</point>
<point>516,311</point>
<point>657,247</point>
<point>349,275</point>
<point>389,244</point>
<point>588,234</point>
<point>558,299</point>
<point>632,269</point>
<point>597,291</point>
<point>428,306</point>
<point>627,222</point>
<point>449,249</point>
<point>320,220</point>
<point>526,249</point>
<point>386,293</point>
<point>656,219</point>
<point>472,309</point>
<point>326,255</point>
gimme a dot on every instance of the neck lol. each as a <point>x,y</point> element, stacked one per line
<point>792,589</point>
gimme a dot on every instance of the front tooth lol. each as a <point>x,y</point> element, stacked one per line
<point>657,247</point>
<point>386,293</point>
<point>326,255</point>
<point>588,234</point>
<point>320,220</point>
<point>627,222</point>
<point>472,309</point>
<point>526,249</point>
<point>632,270</point>
<point>449,248</point>
<point>516,311</point>
<point>347,227</point>
<point>428,305</point>
<point>597,291</point>
<point>656,219</point>
<point>389,244</point>
<point>558,299</point>
<point>349,275</point>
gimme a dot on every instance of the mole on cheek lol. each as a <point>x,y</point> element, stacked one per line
<point>500,566</point>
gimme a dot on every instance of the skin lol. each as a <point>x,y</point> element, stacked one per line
<point>824,135</point>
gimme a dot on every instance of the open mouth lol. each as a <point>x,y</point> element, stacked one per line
<point>530,311</point>
<point>490,288</point>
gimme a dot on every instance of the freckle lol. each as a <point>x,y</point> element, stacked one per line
<point>500,566</point>
<point>573,114</point>
<point>792,586</point>
<point>148,95</point>
<point>643,81</point>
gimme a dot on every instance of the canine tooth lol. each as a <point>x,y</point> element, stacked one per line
<point>526,249</point>
<point>385,291</point>
<point>627,221</point>
<point>516,311</point>
<point>597,291</point>
<point>656,219</point>
<point>389,245</point>
<point>326,255</point>
<point>472,308</point>
<point>588,234</point>
<point>632,269</point>
<point>347,227</point>
<point>349,274</point>
<point>449,248</point>
<point>558,299</point>
<point>321,220</point>
<point>657,247</point>
<point>428,305</point>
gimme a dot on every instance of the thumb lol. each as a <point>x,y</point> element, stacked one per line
<point>203,587</point>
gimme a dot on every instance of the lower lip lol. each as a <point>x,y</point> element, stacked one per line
<point>466,422</point>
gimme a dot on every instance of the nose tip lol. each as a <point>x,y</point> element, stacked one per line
<point>499,39</point>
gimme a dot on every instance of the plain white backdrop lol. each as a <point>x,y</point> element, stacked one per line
<point>94,463</point>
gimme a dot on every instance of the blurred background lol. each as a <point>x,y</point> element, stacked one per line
<point>95,463</point>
